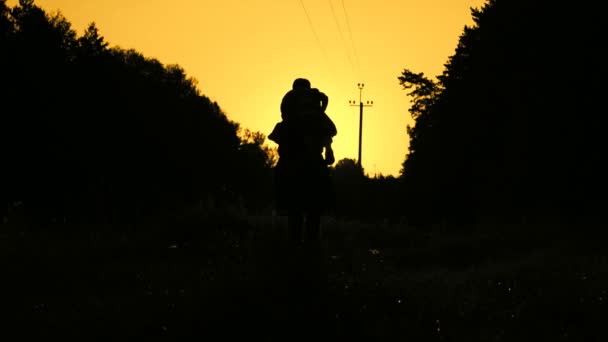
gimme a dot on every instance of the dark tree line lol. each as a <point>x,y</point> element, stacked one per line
<point>512,128</point>
<point>360,197</point>
<point>515,125</point>
<point>92,133</point>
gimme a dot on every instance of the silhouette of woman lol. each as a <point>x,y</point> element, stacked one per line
<point>302,183</point>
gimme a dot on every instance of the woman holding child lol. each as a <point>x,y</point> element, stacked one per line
<point>302,182</point>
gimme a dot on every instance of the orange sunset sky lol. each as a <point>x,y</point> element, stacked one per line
<point>246,53</point>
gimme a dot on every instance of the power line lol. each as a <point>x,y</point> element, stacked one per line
<point>350,32</point>
<point>313,31</point>
<point>333,12</point>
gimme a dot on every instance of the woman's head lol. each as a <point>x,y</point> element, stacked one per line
<point>301,83</point>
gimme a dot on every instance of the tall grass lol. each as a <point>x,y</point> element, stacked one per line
<point>210,271</point>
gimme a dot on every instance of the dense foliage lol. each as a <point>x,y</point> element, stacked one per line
<point>513,127</point>
<point>92,133</point>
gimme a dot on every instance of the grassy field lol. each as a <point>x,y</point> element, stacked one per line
<point>229,275</point>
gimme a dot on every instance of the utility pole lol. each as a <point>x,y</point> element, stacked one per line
<point>361,105</point>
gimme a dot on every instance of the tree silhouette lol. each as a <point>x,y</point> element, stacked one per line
<point>507,130</point>
<point>347,171</point>
<point>361,198</point>
<point>107,134</point>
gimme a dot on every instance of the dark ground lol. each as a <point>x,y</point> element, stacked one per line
<point>234,277</point>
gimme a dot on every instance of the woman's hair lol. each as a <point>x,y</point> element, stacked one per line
<point>301,83</point>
